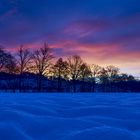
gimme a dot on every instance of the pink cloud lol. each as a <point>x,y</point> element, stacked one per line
<point>102,54</point>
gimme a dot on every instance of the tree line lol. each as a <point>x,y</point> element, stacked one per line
<point>36,71</point>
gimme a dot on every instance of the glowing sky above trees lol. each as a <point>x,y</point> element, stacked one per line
<point>101,31</point>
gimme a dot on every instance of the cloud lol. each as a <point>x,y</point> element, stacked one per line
<point>101,32</point>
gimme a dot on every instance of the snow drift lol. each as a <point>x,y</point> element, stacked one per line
<point>70,116</point>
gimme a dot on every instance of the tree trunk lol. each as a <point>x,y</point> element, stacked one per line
<point>59,84</point>
<point>39,83</point>
<point>20,82</point>
<point>74,85</point>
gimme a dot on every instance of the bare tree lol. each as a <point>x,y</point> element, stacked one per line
<point>96,69</point>
<point>4,59</point>
<point>42,61</point>
<point>85,74</point>
<point>85,71</point>
<point>75,63</point>
<point>108,75</point>
<point>23,61</point>
<point>112,72</point>
<point>96,72</point>
<point>11,64</point>
<point>60,71</point>
<point>10,68</point>
<point>7,65</point>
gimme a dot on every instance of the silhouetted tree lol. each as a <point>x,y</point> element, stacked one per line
<point>125,77</point>
<point>85,74</point>
<point>103,79</point>
<point>85,71</point>
<point>10,68</point>
<point>112,74</point>
<point>60,71</point>
<point>75,63</point>
<point>125,82</point>
<point>5,59</point>
<point>108,76</point>
<point>23,61</point>
<point>11,64</point>
<point>7,65</point>
<point>96,72</point>
<point>42,61</point>
<point>73,73</point>
<point>2,58</point>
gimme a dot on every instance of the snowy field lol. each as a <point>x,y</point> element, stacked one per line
<point>70,116</point>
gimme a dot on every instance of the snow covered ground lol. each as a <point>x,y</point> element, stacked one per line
<point>70,116</point>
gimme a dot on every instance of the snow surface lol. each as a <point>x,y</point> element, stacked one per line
<point>70,116</point>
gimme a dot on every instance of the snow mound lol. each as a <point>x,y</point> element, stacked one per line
<point>70,116</point>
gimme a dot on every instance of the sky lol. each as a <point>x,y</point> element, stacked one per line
<point>104,32</point>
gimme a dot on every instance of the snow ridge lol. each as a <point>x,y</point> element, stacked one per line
<point>70,116</point>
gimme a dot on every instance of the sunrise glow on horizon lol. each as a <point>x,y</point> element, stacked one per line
<point>104,32</point>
